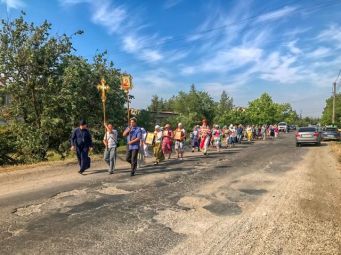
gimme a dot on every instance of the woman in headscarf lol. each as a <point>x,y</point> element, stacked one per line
<point>195,138</point>
<point>249,133</point>
<point>167,141</point>
<point>233,135</point>
<point>158,154</point>
<point>216,136</point>
<point>205,135</point>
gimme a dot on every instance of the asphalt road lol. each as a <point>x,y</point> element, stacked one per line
<point>202,205</point>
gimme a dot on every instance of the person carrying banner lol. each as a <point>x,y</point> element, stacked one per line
<point>157,143</point>
<point>180,137</point>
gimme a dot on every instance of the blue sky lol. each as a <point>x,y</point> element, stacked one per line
<point>290,49</point>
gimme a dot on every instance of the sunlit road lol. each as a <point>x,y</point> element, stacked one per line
<point>252,199</point>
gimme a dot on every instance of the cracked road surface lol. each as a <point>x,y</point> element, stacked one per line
<point>263,198</point>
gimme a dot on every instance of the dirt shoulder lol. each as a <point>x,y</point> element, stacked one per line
<point>300,214</point>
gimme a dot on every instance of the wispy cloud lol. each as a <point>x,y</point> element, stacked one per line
<point>13,4</point>
<point>331,34</point>
<point>293,48</point>
<point>320,52</point>
<point>117,21</point>
<point>227,50</point>
<point>278,14</point>
<point>109,16</point>
<point>171,3</point>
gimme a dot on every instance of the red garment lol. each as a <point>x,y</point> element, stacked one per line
<point>205,132</point>
<point>167,141</point>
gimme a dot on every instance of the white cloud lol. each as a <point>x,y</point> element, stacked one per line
<point>171,3</point>
<point>109,16</point>
<point>13,4</point>
<point>150,55</point>
<point>320,52</point>
<point>130,44</point>
<point>293,48</point>
<point>155,79</point>
<point>226,60</point>
<point>73,2</point>
<point>115,19</point>
<point>331,34</point>
<point>278,14</point>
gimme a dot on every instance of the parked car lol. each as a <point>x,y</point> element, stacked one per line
<point>282,126</point>
<point>331,133</point>
<point>306,135</point>
<point>292,127</point>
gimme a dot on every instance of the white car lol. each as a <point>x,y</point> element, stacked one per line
<point>282,126</point>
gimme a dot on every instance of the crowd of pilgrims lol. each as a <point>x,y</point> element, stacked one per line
<point>163,140</point>
<point>201,138</point>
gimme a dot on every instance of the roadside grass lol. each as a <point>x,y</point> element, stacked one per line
<point>54,159</point>
<point>336,149</point>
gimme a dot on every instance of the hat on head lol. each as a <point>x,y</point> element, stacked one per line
<point>82,122</point>
<point>157,127</point>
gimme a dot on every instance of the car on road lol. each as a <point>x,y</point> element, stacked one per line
<point>292,127</point>
<point>283,126</point>
<point>308,135</point>
<point>331,133</point>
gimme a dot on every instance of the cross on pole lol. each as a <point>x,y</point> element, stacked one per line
<point>103,88</point>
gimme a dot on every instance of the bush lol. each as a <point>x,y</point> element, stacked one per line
<point>7,146</point>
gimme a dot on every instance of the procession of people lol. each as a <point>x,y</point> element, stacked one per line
<point>164,141</point>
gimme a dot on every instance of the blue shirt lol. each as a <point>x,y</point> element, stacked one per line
<point>134,133</point>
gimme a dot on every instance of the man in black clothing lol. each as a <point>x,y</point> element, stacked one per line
<point>81,141</point>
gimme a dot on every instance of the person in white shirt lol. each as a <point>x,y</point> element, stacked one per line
<point>180,137</point>
<point>110,142</point>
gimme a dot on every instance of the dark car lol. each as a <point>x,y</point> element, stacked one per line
<point>306,135</point>
<point>292,127</point>
<point>331,133</point>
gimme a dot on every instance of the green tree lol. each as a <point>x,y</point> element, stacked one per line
<point>224,110</point>
<point>226,102</point>
<point>51,89</point>
<point>327,113</point>
<point>262,110</point>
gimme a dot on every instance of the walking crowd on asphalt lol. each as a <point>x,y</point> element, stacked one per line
<point>163,140</point>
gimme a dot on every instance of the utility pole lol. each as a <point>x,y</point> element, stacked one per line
<point>334,100</point>
<point>334,97</point>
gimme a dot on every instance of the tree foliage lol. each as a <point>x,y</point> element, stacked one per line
<point>50,88</point>
<point>195,105</point>
<point>328,111</point>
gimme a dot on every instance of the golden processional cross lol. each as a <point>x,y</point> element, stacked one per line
<point>103,88</point>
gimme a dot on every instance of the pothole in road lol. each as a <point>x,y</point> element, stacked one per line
<point>193,202</point>
<point>256,192</point>
<point>62,202</point>
<point>112,191</point>
<point>224,209</point>
<point>189,222</point>
<point>28,210</point>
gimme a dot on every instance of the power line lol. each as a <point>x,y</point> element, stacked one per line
<point>338,76</point>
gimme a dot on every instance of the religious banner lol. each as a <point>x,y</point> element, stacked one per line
<point>177,135</point>
<point>126,82</point>
<point>150,138</point>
